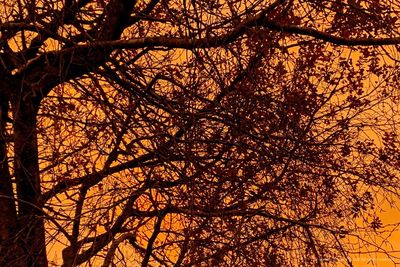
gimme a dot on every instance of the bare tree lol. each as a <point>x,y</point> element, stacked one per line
<point>196,133</point>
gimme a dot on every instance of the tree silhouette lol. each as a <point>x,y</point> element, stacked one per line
<point>196,133</point>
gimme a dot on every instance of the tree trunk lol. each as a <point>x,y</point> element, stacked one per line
<point>11,254</point>
<point>31,236</point>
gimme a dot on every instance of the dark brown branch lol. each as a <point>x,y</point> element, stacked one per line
<point>157,228</point>
<point>330,38</point>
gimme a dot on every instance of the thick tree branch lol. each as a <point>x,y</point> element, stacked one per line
<point>156,232</point>
<point>330,38</point>
<point>187,43</point>
<point>43,72</point>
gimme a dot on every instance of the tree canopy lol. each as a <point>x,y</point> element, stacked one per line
<point>197,133</point>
